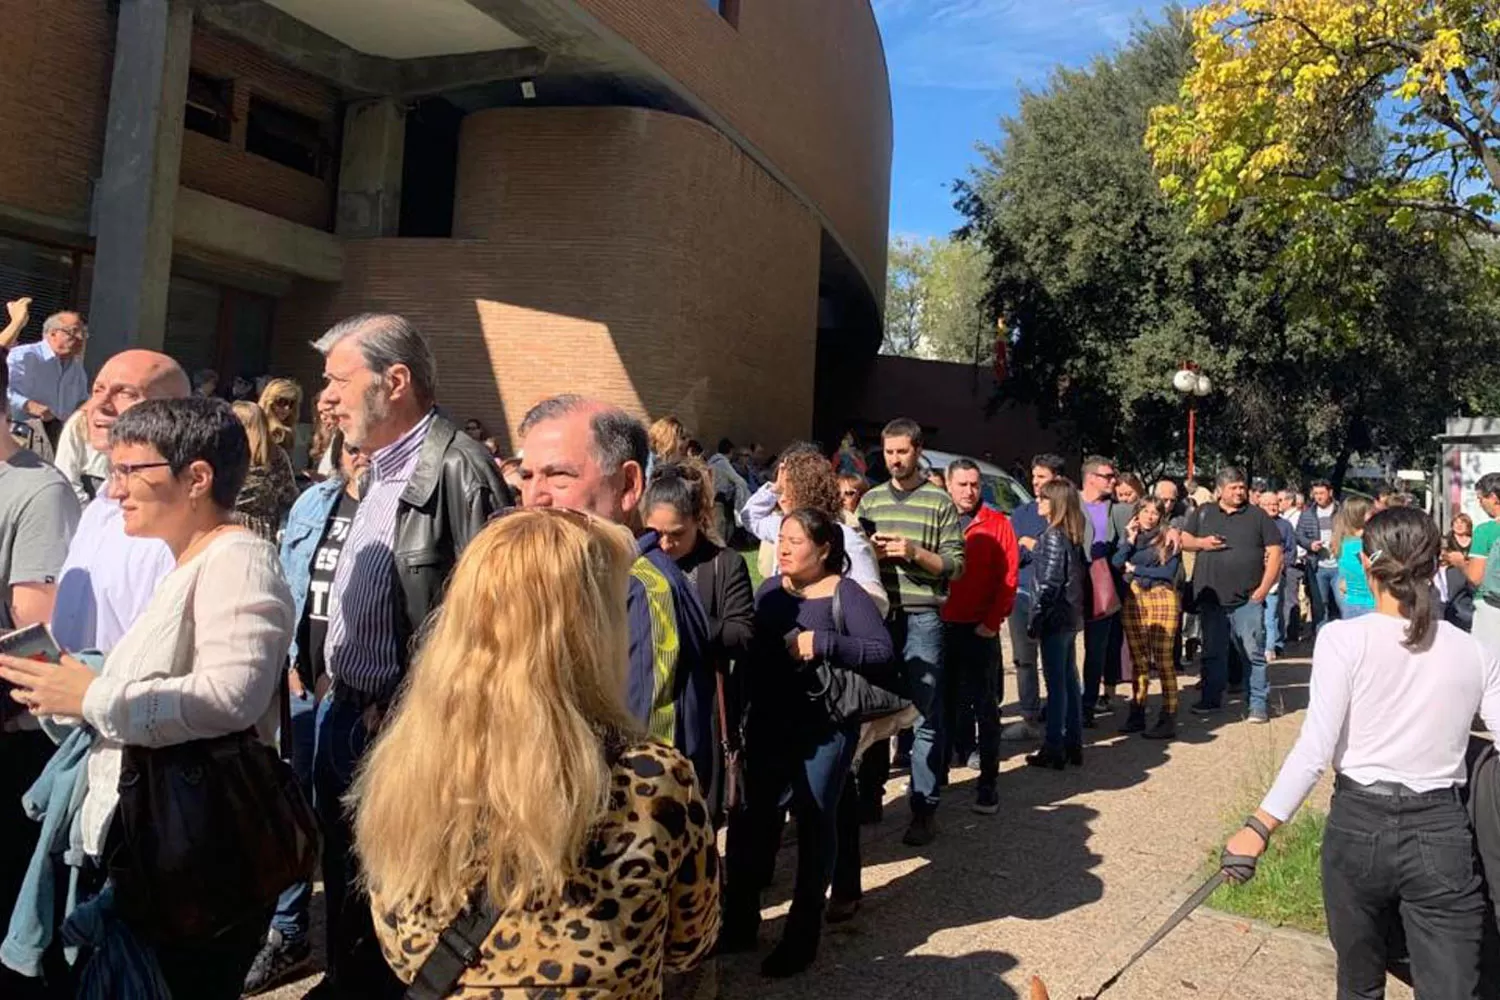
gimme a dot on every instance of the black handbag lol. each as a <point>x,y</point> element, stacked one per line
<point>207,833</point>
<point>848,695</point>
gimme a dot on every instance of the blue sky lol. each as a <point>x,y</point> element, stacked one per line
<point>958,66</point>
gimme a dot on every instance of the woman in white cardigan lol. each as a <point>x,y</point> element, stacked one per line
<point>205,657</point>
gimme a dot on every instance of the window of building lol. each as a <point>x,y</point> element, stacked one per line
<point>210,106</point>
<point>48,275</point>
<point>287,137</point>
<point>729,10</point>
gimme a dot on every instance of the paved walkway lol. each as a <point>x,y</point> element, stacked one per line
<point>1066,882</point>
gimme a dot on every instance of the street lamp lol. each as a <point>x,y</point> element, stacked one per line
<point>1194,385</point>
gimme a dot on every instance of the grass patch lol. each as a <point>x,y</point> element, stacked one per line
<point>752,560</point>
<point>1287,890</point>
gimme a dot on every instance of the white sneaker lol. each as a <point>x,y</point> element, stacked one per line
<point>1021,732</point>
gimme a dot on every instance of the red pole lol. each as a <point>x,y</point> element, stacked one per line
<point>1192,432</point>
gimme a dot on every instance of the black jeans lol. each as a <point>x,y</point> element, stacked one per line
<point>972,673</point>
<point>1406,857</point>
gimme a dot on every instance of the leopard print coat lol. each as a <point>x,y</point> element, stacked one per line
<point>645,901</point>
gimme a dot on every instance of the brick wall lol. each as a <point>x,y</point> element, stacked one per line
<point>635,256</point>
<point>950,401</point>
<point>54,87</point>
<point>804,80</point>
<point>224,169</point>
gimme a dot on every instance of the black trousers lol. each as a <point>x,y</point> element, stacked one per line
<point>1408,859</point>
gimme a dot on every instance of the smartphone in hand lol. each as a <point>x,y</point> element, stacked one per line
<point>34,642</point>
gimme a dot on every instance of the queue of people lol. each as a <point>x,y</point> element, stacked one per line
<point>511,724</point>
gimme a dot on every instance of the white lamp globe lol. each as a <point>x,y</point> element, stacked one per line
<point>1185,381</point>
<point>1202,386</point>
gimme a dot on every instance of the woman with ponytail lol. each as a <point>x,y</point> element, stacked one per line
<point>1393,697</point>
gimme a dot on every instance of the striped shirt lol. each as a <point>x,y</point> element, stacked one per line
<point>363,648</point>
<point>928,518</point>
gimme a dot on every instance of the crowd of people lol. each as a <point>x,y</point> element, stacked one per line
<point>517,698</point>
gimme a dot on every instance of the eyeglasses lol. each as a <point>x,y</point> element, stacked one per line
<point>74,332</point>
<point>1111,474</point>
<point>848,493</point>
<point>118,473</point>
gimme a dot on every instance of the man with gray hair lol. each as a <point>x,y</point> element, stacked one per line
<point>1239,560</point>
<point>586,455</point>
<point>47,380</point>
<point>431,490</point>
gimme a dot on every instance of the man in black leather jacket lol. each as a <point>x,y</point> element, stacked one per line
<point>431,490</point>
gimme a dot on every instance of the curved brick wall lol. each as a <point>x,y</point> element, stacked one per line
<point>804,80</point>
<point>634,255</point>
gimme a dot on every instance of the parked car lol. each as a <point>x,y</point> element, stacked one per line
<point>1000,489</point>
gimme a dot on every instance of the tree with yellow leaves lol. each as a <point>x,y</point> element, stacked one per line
<point>1357,109</point>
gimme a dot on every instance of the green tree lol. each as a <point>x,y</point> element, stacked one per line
<point>935,301</point>
<point>1265,115</point>
<point>1111,287</point>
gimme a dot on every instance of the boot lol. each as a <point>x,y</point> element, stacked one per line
<point>1074,754</point>
<point>1136,721</point>
<point>797,948</point>
<point>1165,728</point>
<point>1048,757</point>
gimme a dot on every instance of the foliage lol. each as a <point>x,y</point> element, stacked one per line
<point>1110,287</point>
<point>1287,890</point>
<point>1281,88</point>
<point>935,301</point>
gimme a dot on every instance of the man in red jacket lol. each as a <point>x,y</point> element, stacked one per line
<point>978,604</point>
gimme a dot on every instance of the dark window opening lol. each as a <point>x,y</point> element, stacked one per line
<point>210,106</point>
<point>729,10</point>
<point>288,138</point>
<point>429,169</point>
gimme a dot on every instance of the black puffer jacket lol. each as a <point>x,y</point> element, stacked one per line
<point>1061,585</point>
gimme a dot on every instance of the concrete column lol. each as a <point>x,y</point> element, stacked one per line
<point>134,199</point>
<point>370,169</point>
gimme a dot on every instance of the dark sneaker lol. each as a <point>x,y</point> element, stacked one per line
<point>277,962</point>
<point>1074,755</point>
<point>1047,758</point>
<point>793,956</point>
<point>923,830</point>
<point>986,800</point>
<point>840,910</point>
<point>1135,722</point>
<point>1202,708</point>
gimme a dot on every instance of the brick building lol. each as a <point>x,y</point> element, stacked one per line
<point>680,205</point>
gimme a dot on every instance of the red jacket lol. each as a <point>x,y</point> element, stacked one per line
<point>986,591</point>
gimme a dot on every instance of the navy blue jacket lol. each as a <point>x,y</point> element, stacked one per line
<point>1027,523</point>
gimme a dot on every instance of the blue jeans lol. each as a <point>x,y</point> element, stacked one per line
<point>1064,696</point>
<point>1102,642</point>
<point>922,652</point>
<point>290,918</point>
<point>1273,622</point>
<point>1325,595</point>
<point>355,963</point>
<point>1245,626</point>
<point>815,771</point>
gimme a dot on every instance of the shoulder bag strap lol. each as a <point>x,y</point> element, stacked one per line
<point>838,608</point>
<point>457,950</point>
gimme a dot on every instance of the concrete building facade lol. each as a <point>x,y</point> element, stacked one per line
<point>679,205</point>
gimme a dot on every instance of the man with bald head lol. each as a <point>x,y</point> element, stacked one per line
<point>108,577</point>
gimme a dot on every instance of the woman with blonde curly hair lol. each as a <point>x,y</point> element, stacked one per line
<point>281,401</point>
<point>513,779</point>
<point>668,438</point>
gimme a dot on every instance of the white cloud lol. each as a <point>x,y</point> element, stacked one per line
<point>994,44</point>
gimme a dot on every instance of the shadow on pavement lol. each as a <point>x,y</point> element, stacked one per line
<point>924,908</point>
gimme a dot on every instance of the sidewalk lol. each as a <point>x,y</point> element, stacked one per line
<point>1068,880</point>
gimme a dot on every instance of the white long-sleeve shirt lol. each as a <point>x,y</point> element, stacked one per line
<point>202,660</point>
<point>1381,712</point>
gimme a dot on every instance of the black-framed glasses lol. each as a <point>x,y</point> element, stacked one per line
<point>119,472</point>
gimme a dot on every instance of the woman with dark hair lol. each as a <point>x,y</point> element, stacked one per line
<point>1152,614</point>
<point>806,614</point>
<point>1394,694</point>
<point>202,661</point>
<point>678,506</point>
<point>1057,616</point>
